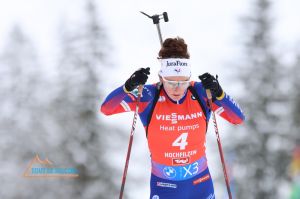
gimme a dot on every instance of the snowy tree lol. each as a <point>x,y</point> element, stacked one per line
<point>21,120</point>
<point>262,145</point>
<point>295,96</point>
<point>83,137</point>
<point>295,118</point>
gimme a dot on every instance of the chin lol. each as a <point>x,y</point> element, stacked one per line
<point>176,98</point>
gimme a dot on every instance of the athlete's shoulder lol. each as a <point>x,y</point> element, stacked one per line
<point>196,84</point>
<point>152,86</point>
<point>198,87</point>
<point>151,89</point>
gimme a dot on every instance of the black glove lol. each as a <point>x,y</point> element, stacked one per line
<point>211,83</point>
<point>137,78</point>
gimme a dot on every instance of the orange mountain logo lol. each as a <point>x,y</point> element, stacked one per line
<point>45,168</point>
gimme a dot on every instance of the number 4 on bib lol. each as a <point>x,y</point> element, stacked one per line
<point>181,141</point>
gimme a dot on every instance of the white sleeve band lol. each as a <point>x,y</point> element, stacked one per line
<point>125,106</point>
<point>219,110</point>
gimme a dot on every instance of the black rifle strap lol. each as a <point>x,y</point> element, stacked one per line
<point>194,93</point>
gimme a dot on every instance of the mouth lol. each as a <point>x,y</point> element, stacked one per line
<point>176,96</point>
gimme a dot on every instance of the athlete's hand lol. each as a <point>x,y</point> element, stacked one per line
<point>211,83</point>
<point>137,78</point>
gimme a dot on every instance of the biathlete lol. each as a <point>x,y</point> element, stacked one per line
<point>175,114</point>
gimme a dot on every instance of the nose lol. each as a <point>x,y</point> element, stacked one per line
<point>176,88</point>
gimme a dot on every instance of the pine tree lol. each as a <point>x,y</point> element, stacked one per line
<point>22,129</point>
<point>84,138</point>
<point>294,92</point>
<point>261,145</point>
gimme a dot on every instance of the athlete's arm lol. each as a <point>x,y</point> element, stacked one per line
<point>123,98</point>
<point>229,109</point>
<point>225,106</point>
<point>119,101</point>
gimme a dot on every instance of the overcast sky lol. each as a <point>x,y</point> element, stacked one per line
<point>211,28</point>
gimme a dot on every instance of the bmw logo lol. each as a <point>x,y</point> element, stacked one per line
<point>169,172</point>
